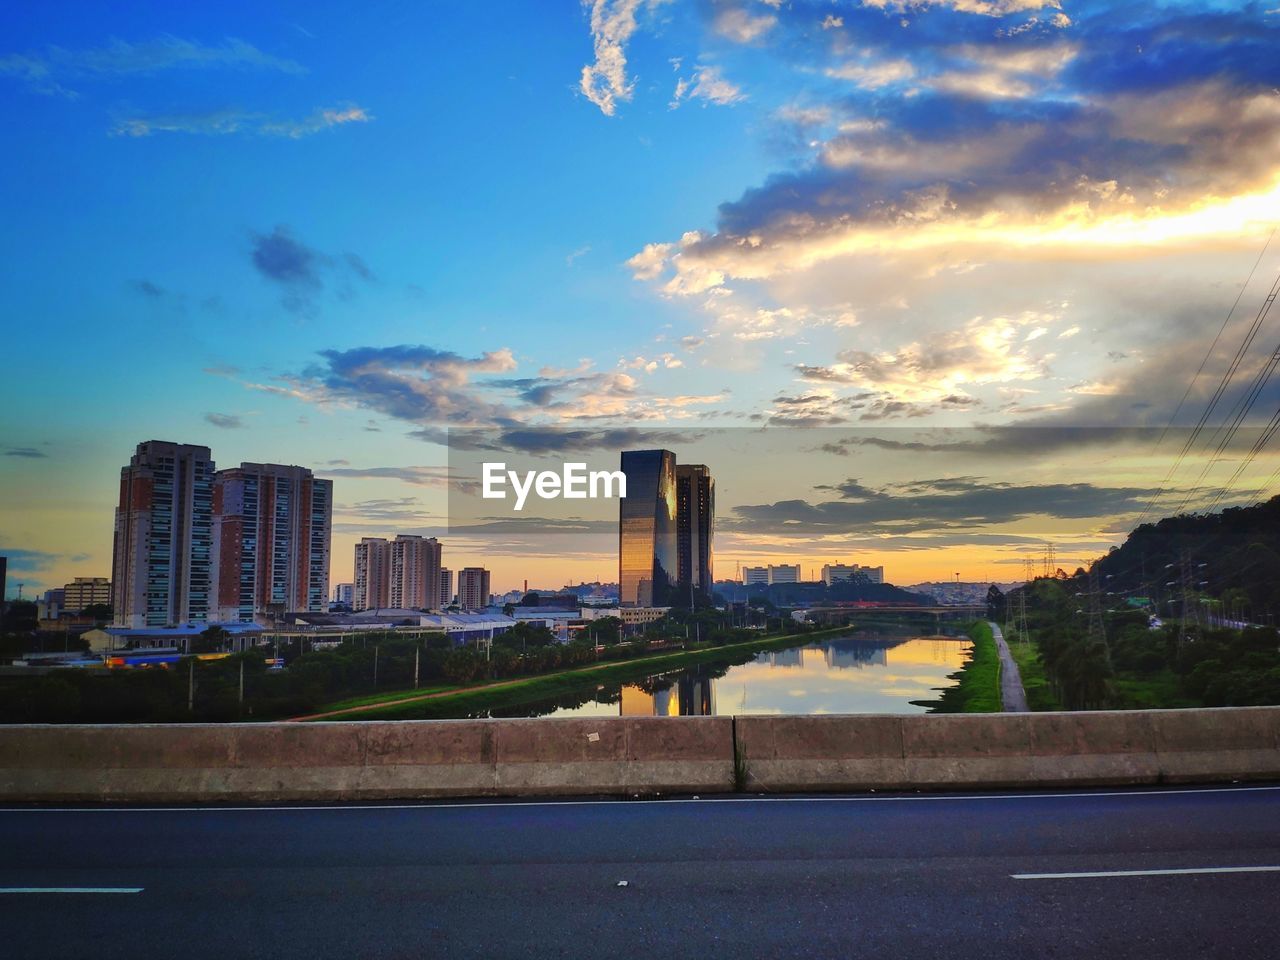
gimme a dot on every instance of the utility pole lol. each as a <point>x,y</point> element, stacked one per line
<point>375,666</point>
<point>1184,577</point>
<point>1097,626</point>
<point>242,682</point>
<point>416,650</point>
<point>191,685</point>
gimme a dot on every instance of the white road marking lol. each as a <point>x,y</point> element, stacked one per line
<point>622,801</point>
<point>4,890</point>
<point>1141,873</point>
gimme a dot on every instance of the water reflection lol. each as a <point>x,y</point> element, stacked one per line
<point>844,675</point>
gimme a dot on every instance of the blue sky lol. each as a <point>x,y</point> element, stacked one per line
<point>322,233</point>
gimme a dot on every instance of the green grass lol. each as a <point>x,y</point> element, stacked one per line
<point>522,690</point>
<point>379,697</point>
<point>1040,694</point>
<point>977,687</point>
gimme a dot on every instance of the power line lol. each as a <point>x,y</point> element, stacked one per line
<point>1224,382</point>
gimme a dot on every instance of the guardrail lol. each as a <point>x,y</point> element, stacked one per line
<point>626,756</point>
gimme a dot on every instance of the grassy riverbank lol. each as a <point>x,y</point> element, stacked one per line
<point>977,687</point>
<point>1040,693</point>
<point>452,701</point>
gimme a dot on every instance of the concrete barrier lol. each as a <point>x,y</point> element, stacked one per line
<point>364,761</point>
<point>979,751</point>
<point>625,755</point>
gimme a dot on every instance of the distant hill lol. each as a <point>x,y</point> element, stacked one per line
<point>1233,554</point>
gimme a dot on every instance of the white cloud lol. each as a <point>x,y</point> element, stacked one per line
<point>982,352</point>
<point>707,84</point>
<point>872,75</point>
<point>613,22</point>
<point>740,26</point>
<point>223,122</point>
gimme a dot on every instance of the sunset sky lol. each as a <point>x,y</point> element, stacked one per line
<point>868,260</point>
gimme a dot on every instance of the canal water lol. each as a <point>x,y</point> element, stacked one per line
<point>841,675</point>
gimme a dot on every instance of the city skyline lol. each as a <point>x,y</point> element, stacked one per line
<point>1026,220</point>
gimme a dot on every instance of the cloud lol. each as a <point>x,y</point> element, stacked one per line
<point>418,476</point>
<point>872,75</point>
<point>22,564</point>
<point>1020,145</point>
<point>399,510</point>
<point>30,453</point>
<point>668,361</point>
<point>225,421</point>
<point>561,440</point>
<point>935,506</point>
<point>604,82</point>
<point>46,72</point>
<point>440,392</point>
<point>709,86</point>
<point>324,118</point>
<point>147,289</point>
<point>740,26</point>
<point>234,121</point>
<point>297,269</point>
<point>278,256</point>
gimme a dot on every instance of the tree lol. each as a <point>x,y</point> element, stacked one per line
<point>996,604</point>
<point>100,612</point>
<point>212,640</point>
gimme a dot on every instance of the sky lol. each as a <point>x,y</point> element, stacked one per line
<point>965,261</point>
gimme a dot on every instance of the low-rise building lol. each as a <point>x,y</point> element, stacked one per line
<point>85,592</point>
<point>773,573</point>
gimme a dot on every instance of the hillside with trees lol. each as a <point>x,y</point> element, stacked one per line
<point>1118,636</point>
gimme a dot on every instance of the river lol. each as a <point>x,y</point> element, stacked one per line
<point>840,675</point>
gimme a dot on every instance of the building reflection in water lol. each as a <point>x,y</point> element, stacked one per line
<point>843,656</point>
<point>692,694</point>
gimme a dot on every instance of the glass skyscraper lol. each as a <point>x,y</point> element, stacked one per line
<point>695,530</point>
<point>647,529</point>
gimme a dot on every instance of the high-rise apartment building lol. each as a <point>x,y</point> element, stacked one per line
<point>647,565</point>
<point>344,593</point>
<point>373,574</point>
<point>271,536</point>
<point>415,572</point>
<point>403,573</point>
<point>446,586</point>
<point>162,569</point>
<point>473,588</point>
<point>695,530</point>
<point>85,592</point>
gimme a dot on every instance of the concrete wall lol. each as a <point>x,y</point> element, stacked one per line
<point>613,755</point>
<point>1010,750</point>
<point>371,760</point>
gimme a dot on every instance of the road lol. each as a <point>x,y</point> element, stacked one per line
<point>871,876</point>
<point>1012,695</point>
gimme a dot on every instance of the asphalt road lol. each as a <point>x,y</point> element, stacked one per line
<point>874,876</point>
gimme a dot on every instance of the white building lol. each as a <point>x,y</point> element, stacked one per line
<point>846,572</point>
<point>773,573</point>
